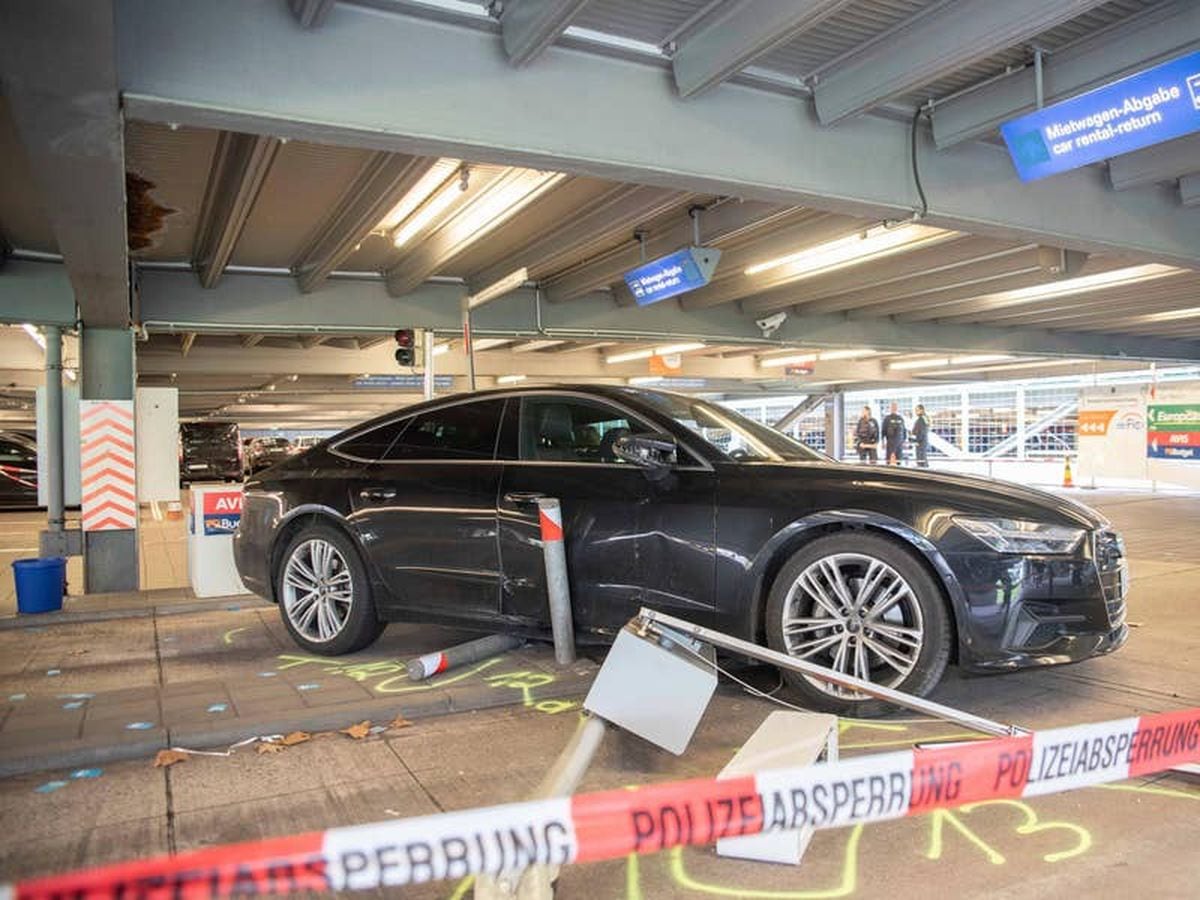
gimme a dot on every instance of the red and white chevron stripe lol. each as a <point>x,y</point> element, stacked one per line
<point>106,454</point>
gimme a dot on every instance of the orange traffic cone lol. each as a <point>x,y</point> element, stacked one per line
<point>1068,481</point>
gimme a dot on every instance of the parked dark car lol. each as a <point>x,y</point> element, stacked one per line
<point>18,471</point>
<point>263,453</point>
<point>888,573</point>
<point>210,451</point>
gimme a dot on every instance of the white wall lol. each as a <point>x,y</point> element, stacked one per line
<point>157,411</point>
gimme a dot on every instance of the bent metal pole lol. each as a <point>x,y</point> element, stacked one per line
<point>783,661</point>
<point>558,589</point>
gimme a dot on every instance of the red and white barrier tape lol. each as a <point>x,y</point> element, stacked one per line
<point>612,824</point>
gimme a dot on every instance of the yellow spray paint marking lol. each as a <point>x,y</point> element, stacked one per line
<point>1030,825</point>
<point>397,680</point>
<point>227,637</point>
<point>1150,789</point>
<point>845,724</point>
<point>462,888</point>
<point>910,740</point>
<point>847,885</point>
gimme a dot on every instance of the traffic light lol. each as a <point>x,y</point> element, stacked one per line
<point>406,347</point>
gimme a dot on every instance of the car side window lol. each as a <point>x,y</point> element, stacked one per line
<point>463,431</point>
<point>14,454</point>
<point>374,444</point>
<point>568,429</point>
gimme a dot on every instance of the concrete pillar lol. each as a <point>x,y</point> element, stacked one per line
<point>835,425</point>
<point>107,366</point>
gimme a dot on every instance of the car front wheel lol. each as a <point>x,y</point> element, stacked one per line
<point>863,606</point>
<point>324,593</point>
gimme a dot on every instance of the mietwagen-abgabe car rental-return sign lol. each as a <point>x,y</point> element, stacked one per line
<point>1147,108</point>
<point>1173,431</point>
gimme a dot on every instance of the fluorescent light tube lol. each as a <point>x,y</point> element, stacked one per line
<point>793,360</point>
<point>439,349</point>
<point>980,358</point>
<point>489,343</point>
<point>509,282</point>
<point>1069,286</point>
<point>920,364</point>
<point>665,350</point>
<point>419,192</point>
<point>872,243</point>
<point>35,335</point>
<point>644,379</point>
<point>535,345</point>
<point>1191,312</point>
<point>423,217</point>
<point>509,379</point>
<point>827,355</point>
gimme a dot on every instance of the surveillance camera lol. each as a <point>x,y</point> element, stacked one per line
<point>771,324</point>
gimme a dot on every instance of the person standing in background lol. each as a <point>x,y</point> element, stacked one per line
<point>920,436</point>
<point>894,434</point>
<point>866,436</point>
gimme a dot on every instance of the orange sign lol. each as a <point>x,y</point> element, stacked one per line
<point>1094,422</point>
<point>665,365</point>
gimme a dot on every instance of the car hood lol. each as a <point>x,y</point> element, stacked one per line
<point>970,493</point>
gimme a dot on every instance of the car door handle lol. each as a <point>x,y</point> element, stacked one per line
<point>522,498</point>
<point>377,494</point>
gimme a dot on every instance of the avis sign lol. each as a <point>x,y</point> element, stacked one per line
<point>1173,431</point>
<point>222,511</point>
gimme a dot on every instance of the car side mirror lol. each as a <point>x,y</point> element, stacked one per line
<point>653,452</point>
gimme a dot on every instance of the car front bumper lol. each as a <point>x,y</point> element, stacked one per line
<point>1024,611</point>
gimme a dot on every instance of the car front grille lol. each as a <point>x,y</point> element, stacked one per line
<point>1110,564</point>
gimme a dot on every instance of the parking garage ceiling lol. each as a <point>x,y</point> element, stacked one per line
<point>297,188</point>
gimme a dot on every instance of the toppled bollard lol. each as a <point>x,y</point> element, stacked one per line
<point>460,655</point>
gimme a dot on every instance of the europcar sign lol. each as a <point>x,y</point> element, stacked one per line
<point>1147,108</point>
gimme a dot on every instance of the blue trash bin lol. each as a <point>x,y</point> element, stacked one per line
<point>40,584</point>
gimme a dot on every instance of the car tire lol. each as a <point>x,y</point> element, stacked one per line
<point>896,626</point>
<point>341,618</point>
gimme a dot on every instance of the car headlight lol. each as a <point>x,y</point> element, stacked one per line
<point>1022,536</point>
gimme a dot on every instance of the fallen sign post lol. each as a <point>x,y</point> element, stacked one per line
<point>612,824</point>
<point>460,655</point>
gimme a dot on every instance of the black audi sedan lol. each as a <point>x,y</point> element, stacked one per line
<point>429,514</point>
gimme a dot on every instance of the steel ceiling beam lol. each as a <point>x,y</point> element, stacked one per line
<point>614,213</point>
<point>1141,41</point>
<point>1111,305</point>
<point>979,270</point>
<point>311,13</point>
<point>172,300</point>
<point>488,207</point>
<point>949,295</point>
<point>245,66</point>
<point>738,33</point>
<point>240,166</point>
<point>381,183</point>
<point>727,222</point>
<point>1189,190</point>
<point>39,293</point>
<point>1151,165</point>
<point>930,45</point>
<point>58,73</point>
<point>528,27</point>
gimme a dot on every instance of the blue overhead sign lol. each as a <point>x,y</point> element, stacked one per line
<point>668,276</point>
<point>1147,108</point>
<point>403,382</point>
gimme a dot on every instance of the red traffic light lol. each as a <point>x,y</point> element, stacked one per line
<point>404,337</point>
<point>405,346</point>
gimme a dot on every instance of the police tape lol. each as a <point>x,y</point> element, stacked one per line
<point>613,824</point>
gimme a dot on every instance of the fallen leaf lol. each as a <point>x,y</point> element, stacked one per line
<point>1134,624</point>
<point>296,737</point>
<point>167,758</point>
<point>270,747</point>
<point>359,731</point>
<point>399,722</point>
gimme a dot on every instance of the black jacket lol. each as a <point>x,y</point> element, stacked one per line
<point>866,431</point>
<point>894,429</point>
<point>920,431</point>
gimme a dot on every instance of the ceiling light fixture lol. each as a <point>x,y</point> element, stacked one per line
<point>35,335</point>
<point>980,358</point>
<point>1191,312</point>
<point>509,379</point>
<point>430,210</point>
<point>419,192</point>
<point>505,285</point>
<point>1069,286</point>
<point>829,355</point>
<point>870,244</point>
<point>531,346</point>
<point>489,343</point>
<point>906,364</point>
<point>644,379</point>
<point>439,349</point>
<point>646,353</point>
<point>796,359</point>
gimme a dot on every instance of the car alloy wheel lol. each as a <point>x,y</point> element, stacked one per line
<point>857,615</point>
<point>318,590</point>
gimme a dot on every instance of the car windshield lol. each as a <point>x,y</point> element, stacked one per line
<point>739,438</point>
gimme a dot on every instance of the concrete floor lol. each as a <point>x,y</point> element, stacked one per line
<point>1137,837</point>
